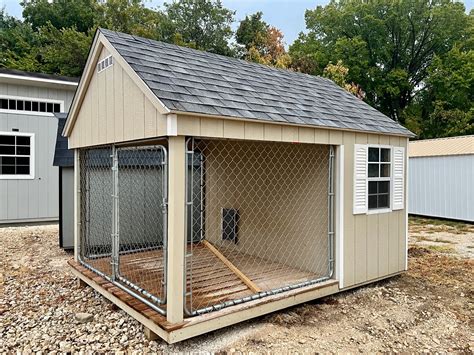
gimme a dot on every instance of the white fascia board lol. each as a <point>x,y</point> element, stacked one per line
<point>30,80</point>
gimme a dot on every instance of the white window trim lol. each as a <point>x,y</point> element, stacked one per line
<point>31,175</point>
<point>389,179</point>
<point>31,113</point>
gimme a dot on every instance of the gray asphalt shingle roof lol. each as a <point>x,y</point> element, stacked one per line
<point>62,155</point>
<point>193,81</point>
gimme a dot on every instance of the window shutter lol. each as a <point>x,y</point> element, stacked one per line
<point>360,179</point>
<point>398,190</point>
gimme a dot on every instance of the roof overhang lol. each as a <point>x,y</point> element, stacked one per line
<point>100,42</point>
<point>34,81</point>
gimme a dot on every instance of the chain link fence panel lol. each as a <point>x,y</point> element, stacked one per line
<point>124,217</point>
<point>258,220</point>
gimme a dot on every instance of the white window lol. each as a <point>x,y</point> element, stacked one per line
<point>17,155</point>
<point>378,178</point>
<point>29,105</point>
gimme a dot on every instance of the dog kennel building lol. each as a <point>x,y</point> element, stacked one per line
<point>209,190</point>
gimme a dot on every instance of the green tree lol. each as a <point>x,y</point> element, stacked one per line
<point>131,16</point>
<point>308,54</point>
<point>80,14</point>
<point>64,51</point>
<point>338,73</point>
<point>201,24</point>
<point>252,32</point>
<point>261,43</point>
<point>387,44</point>
<point>19,44</point>
<point>448,101</point>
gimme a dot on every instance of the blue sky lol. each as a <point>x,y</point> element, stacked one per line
<point>286,15</point>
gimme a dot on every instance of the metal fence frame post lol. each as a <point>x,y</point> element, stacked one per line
<point>115,216</point>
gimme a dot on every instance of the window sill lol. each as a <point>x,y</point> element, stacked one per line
<point>30,113</point>
<point>17,177</point>
<point>379,210</point>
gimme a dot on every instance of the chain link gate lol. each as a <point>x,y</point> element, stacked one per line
<point>124,197</point>
<point>259,220</point>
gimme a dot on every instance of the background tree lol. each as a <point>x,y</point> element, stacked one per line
<point>80,14</point>
<point>261,43</point>
<point>202,24</point>
<point>19,44</point>
<point>338,73</point>
<point>388,45</point>
<point>130,16</point>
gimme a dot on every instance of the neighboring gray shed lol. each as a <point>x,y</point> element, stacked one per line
<point>28,180</point>
<point>64,160</point>
<point>441,178</point>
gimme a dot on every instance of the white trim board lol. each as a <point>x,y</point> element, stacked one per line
<point>38,80</point>
<point>340,214</point>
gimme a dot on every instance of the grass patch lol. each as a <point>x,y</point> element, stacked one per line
<point>441,248</point>
<point>439,240</point>
<point>430,225</point>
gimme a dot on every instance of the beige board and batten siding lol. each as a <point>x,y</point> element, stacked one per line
<point>374,245</point>
<point>114,110</point>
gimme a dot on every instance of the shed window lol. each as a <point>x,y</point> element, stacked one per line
<point>379,176</point>
<point>16,156</point>
<point>25,105</point>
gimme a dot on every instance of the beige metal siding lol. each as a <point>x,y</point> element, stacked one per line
<point>114,109</point>
<point>442,147</point>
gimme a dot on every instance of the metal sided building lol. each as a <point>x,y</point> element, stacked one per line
<point>28,179</point>
<point>64,160</point>
<point>209,190</point>
<point>441,178</point>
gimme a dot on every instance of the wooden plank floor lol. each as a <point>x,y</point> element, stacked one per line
<point>212,281</point>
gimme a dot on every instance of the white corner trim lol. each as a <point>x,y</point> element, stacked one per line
<point>172,124</point>
<point>340,213</point>
<point>40,80</point>
<point>406,203</point>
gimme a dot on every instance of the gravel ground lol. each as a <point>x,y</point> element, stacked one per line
<point>430,308</point>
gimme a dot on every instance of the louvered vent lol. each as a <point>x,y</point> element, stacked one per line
<point>105,63</point>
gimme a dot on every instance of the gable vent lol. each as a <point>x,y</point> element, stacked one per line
<point>105,63</point>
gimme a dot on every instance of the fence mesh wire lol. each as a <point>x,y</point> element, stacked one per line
<point>96,208</point>
<point>257,219</point>
<point>142,180</point>
<point>123,213</point>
